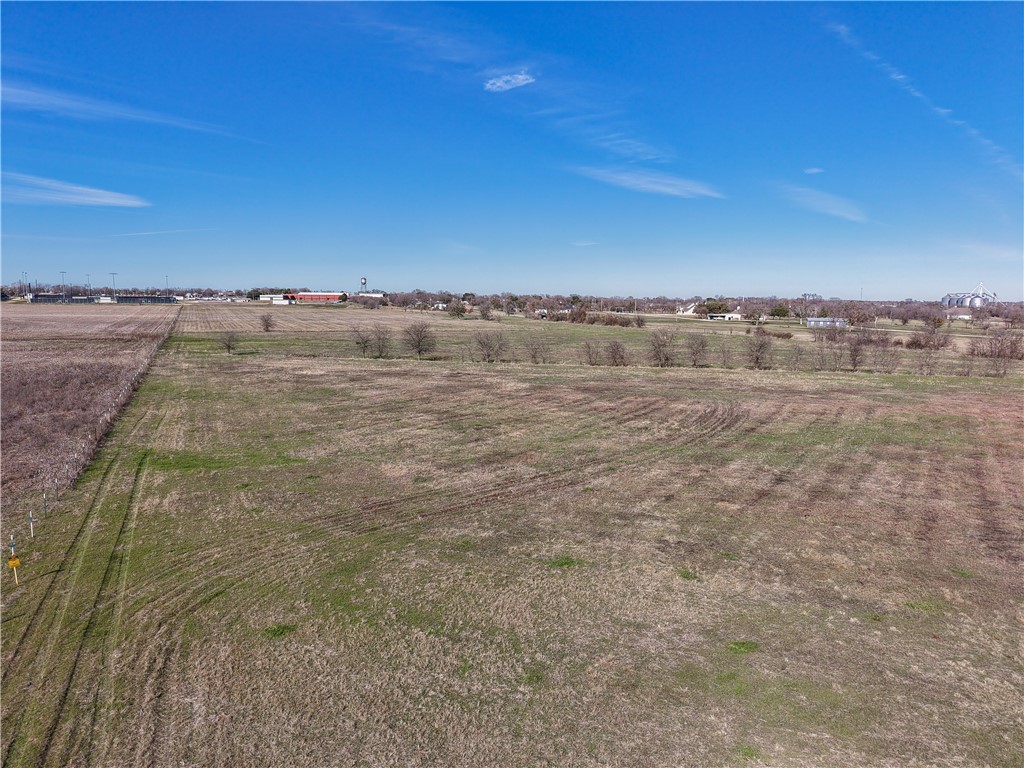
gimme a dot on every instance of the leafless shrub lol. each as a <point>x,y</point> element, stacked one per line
<point>456,308</point>
<point>639,321</point>
<point>491,346</point>
<point>885,358</point>
<point>999,348</point>
<point>380,345</point>
<point>965,366</point>
<point>616,353</point>
<point>829,352</point>
<point>661,348</point>
<point>697,347</point>
<point>363,339</point>
<point>267,322</point>
<point>419,338</point>
<point>538,351</point>
<point>796,356</point>
<point>926,361</point>
<point>590,353</point>
<point>931,338</point>
<point>486,313</point>
<point>759,350</point>
<point>856,349</point>
<point>725,355</point>
<point>228,340</point>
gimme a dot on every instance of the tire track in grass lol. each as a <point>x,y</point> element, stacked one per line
<point>103,701</point>
<point>61,570</point>
<point>91,680</point>
<point>40,667</point>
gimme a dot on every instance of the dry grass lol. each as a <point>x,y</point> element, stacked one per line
<point>67,371</point>
<point>323,560</point>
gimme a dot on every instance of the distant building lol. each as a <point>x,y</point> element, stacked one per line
<point>979,297</point>
<point>826,322</point>
<point>726,316</point>
<point>314,297</point>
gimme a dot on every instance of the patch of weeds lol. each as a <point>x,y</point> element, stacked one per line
<point>963,573</point>
<point>534,676</point>
<point>875,616</point>
<point>279,630</point>
<point>587,489</point>
<point>565,561</point>
<point>464,668</point>
<point>687,574</point>
<point>464,545</point>
<point>743,646</point>
<point>731,683</point>
<point>243,486</point>
<point>747,752</point>
<point>729,555</point>
<point>420,479</point>
<point>930,607</point>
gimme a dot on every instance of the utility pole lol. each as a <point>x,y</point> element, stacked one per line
<point>113,286</point>
<point>62,284</point>
<point>167,290</point>
<point>88,285</point>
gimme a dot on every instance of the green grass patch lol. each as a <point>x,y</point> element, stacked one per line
<point>279,630</point>
<point>688,574</point>
<point>743,646</point>
<point>930,607</point>
<point>565,561</point>
<point>747,752</point>
<point>963,573</point>
<point>729,555</point>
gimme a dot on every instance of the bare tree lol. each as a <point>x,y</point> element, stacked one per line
<point>456,308</point>
<point>363,339</point>
<point>697,346</point>
<point>590,353</point>
<point>759,350</point>
<point>490,345</point>
<point>616,353</point>
<point>486,313</point>
<point>661,348</point>
<point>538,350</point>
<point>228,340</point>
<point>419,338</point>
<point>267,322</point>
<point>381,344</point>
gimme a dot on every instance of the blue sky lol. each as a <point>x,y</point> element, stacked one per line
<point>616,149</point>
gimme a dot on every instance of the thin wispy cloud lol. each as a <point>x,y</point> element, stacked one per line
<point>508,82</point>
<point>813,171</point>
<point>584,111</point>
<point>583,243</point>
<point>35,190</point>
<point>29,98</point>
<point>824,202</point>
<point>999,155</point>
<point>654,182</point>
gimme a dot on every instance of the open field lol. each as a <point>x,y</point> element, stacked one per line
<point>66,373</point>
<point>328,332</point>
<point>293,554</point>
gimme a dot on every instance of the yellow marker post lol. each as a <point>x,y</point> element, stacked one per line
<point>13,562</point>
